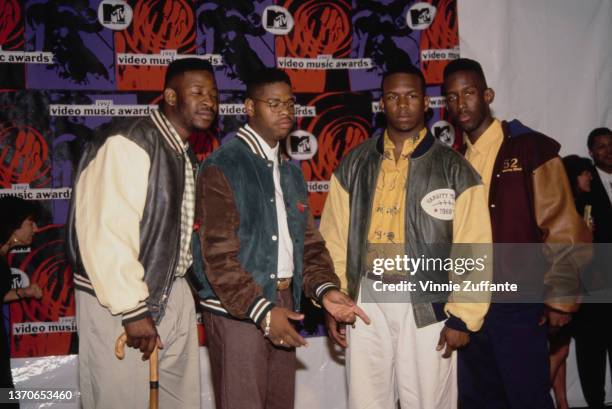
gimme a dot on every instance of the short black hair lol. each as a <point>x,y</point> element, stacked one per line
<point>403,67</point>
<point>13,211</point>
<point>465,64</point>
<point>183,65</point>
<point>264,77</point>
<point>595,133</point>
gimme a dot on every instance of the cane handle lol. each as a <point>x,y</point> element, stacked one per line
<point>120,346</point>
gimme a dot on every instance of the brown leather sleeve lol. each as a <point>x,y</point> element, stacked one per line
<point>318,265</point>
<point>218,217</point>
<point>565,234</point>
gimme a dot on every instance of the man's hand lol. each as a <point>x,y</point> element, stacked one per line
<point>453,340</point>
<point>342,308</point>
<point>142,335</point>
<point>282,332</point>
<point>556,319</point>
<point>336,331</point>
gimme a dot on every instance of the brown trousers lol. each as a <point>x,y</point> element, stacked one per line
<point>248,371</point>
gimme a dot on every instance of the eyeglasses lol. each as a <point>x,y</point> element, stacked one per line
<point>276,105</point>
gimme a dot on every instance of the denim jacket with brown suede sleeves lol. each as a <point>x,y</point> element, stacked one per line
<point>236,243</point>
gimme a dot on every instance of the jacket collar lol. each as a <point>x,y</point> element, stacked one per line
<point>248,135</point>
<point>419,151</point>
<point>515,128</point>
<point>510,129</point>
<point>170,134</point>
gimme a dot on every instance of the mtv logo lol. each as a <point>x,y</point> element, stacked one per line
<point>420,16</point>
<point>300,144</point>
<point>113,13</point>
<point>276,20</point>
<point>17,281</point>
<point>443,133</point>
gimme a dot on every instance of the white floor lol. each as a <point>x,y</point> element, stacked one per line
<point>320,378</point>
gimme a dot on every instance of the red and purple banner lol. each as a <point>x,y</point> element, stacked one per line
<point>68,67</point>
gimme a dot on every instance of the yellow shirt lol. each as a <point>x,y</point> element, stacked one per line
<point>483,153</point>
<point>388,207</point>
<point>471,224</point>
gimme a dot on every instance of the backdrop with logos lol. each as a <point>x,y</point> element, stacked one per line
<point>70,66</point>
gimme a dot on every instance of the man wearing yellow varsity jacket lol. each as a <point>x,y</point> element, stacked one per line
<point>259,249</point>
<point>129,238</point>
<point>530,203</point>
<point>407,192</point>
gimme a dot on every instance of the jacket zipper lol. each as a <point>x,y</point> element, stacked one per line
<point>170,275</point>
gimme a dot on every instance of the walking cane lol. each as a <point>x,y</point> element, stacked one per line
<point>153,372</point>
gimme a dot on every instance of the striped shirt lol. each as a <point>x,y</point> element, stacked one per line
<point>188,205</point>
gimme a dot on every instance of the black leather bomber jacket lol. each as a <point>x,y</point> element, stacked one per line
<point>161,220</point>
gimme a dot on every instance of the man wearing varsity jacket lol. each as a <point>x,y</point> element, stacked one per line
<point>260,250</point>
<point>129,237</point>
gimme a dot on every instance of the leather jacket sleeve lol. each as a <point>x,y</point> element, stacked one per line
<point>564,234</point>
<point>334,228</point>
<point>109,206</point>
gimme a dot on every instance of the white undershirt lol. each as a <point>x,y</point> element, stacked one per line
<point>285,245</point>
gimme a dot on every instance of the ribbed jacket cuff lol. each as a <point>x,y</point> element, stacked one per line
<point>457,324</point>
<point>258,310</point>
<point>322,289</point>
<point>135,314</point>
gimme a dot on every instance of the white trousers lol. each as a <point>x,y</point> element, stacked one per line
<point>392,360</point>
<point>108,383</point>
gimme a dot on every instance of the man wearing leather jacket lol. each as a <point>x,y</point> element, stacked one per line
<point>406,194</point>
<point>129,236</point>
<point>529,202</point>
